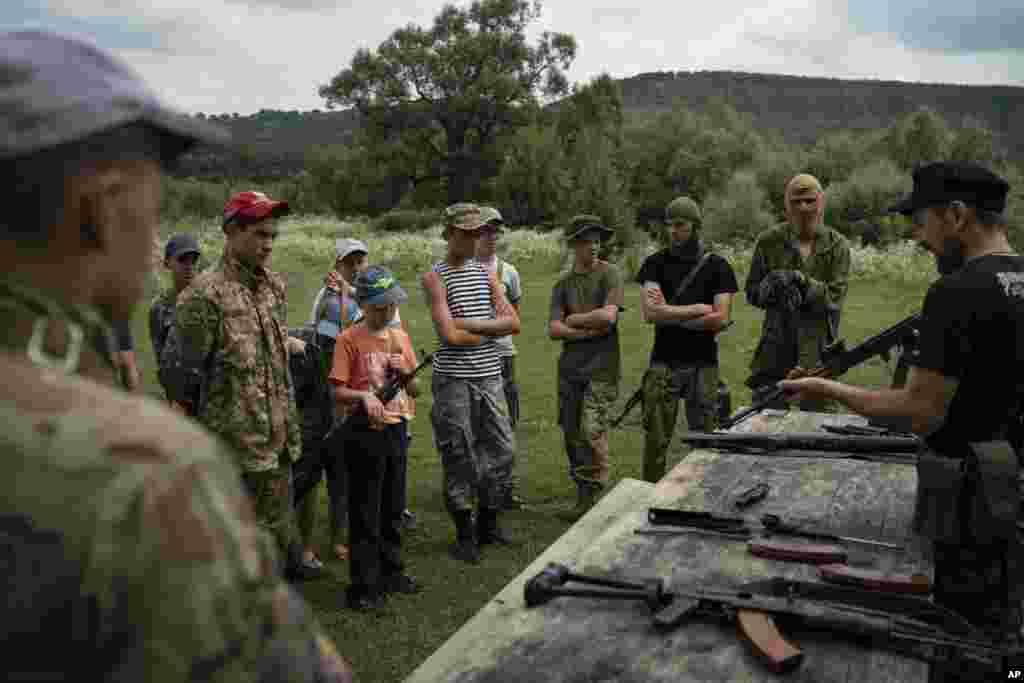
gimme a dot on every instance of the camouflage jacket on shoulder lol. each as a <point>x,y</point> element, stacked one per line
<point>161,319</point>
<point>131,549</point>
<point>790,339</point>
<point>230,325</point>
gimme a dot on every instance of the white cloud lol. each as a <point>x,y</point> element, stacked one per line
<point>222,56</point>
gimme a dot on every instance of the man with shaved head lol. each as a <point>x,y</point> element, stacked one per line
<point>799,276</point>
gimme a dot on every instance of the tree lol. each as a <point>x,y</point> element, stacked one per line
<point>973,142</point>
<point>449,92</point>
<point>919,138</point>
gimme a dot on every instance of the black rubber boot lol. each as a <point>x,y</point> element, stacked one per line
<point>465,547</point>
<point>488,531</point>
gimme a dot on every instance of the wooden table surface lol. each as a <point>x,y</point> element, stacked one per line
<point>577,640</point>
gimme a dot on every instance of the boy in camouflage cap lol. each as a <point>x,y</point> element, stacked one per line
<point>470,417</point>
<point>584,315</point>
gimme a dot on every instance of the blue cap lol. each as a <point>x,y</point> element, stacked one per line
<point>55,90</point>
<point>181,244</point>
<point>376,286</point>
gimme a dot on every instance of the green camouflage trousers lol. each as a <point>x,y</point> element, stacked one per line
<point>584,412</point>
<point>270,492</point>
<point>474,438</point>
<point>663,388</point>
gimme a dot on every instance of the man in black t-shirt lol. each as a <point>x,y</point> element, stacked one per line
<point>684,360</point>
<point>964,390</point>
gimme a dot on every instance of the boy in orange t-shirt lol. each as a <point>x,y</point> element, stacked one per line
<point>367,356</point>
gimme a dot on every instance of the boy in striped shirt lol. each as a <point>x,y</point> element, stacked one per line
<point>470,416</point>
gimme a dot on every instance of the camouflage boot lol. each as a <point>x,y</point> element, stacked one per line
<point>465,547</point>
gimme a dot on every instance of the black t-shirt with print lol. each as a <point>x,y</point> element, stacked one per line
<point>677,344</point>
<point>972,330</point>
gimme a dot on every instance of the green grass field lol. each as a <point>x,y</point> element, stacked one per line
<point>388,645</point>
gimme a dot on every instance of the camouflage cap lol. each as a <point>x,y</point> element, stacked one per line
<point>584,223</point>
<point>56,90</point>
<point>463,216</point>
<point>488,214</point>
<point>683,209</point>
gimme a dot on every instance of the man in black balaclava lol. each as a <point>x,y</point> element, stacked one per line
<point>687,295</point>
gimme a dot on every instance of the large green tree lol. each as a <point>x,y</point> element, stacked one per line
<point>449,93</point>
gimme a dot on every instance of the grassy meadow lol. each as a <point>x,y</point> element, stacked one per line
<point>388,645</point>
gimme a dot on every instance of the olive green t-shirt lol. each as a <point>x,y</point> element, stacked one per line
<point>596,358</point>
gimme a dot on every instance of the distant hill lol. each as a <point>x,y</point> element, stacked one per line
<point>274,143</point>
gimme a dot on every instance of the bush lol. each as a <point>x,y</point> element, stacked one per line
<point>738,213</point>
<point>406,220</point>
<point>867,194</point>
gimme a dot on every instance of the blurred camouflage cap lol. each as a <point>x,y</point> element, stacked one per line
<point>585,223</point>
<point>682,209</point>
<point>55,90</point>
<point>488,214</point>
<point>463,216</point>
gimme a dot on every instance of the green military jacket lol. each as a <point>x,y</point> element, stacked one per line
<point>798,338</point>
<point>130,548</point>
<point>231,327</point>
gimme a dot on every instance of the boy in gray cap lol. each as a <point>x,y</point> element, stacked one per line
<point>963,397</point>
<point>181,255</point>
<point>147,497</point>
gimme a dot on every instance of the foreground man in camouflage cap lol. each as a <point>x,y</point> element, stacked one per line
<point>799,275</point>
<point>130,552</point>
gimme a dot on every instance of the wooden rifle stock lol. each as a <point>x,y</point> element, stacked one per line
<point>760,632</point>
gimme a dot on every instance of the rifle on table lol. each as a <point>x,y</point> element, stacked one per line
<point>906,624</point>
<point>837,360</point>
<point>897,449</point>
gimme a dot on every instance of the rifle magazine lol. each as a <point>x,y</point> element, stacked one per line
<point>761,633</point>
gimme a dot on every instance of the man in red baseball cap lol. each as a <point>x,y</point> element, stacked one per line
<point>232,330</point>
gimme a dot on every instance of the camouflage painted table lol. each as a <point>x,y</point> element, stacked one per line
<point>575,639</point>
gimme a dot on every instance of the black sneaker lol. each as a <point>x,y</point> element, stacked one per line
<point>465,550</point>
<point>363,602</point>
<point>401,583</point>
<point>408,520</point>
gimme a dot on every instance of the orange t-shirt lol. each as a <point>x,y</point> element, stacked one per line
<point>362,360</point>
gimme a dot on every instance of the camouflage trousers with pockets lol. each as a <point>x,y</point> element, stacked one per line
<point>271,494</point>
<point>584,413</point>
<point>473,436</point>
<point>664,386</point>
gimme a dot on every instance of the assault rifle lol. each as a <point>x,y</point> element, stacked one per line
<point>385,394</point>
<point>836,360</point>
<point>906,624</point>
<point>897,449</point>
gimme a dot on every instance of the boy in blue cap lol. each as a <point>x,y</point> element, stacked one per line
<point>368,356</point>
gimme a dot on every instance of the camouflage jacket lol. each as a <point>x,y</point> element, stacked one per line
<point>161,319</point>
<point>130,550</point>
<point>790,339</point>
<point>230,325</point>
<point>167,351</point>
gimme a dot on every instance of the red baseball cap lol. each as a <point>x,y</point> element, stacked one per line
<point>253,206</point>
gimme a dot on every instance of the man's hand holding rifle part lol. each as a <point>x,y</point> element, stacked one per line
<point>838,360</point>
<point>906,624</point>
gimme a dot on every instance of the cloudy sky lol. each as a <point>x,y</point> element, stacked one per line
<point>222,56</point>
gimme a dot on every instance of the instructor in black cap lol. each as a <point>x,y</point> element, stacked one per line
<point>963,396</point>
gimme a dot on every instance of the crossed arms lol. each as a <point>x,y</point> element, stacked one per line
<point>463,331</point>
